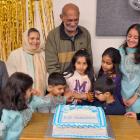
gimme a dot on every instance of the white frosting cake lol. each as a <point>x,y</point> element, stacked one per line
<point>72,121</point>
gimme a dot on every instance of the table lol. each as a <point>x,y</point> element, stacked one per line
<point>123,128</point>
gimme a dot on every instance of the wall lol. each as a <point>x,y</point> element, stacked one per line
<point>88,19</point>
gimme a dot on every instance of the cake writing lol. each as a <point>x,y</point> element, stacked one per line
<point>79,117</point>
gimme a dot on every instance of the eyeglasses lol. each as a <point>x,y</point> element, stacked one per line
<point>97,92</point>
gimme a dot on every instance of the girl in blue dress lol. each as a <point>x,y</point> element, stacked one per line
<point>17,103</point>
<point>130,68</point>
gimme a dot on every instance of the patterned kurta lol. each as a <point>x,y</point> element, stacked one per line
<point>12,122</point>
<point>130,77</point>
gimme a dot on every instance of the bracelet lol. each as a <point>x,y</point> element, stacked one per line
<point>88,97</point>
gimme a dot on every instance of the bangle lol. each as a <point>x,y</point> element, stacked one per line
<point>88,97</point>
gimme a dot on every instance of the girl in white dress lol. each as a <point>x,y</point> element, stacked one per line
<point>80,75</point>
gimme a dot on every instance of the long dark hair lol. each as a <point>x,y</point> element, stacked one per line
<point>89,71</point>
<point>13,95</point>
<point>137,53</point>
<point>116,59</point>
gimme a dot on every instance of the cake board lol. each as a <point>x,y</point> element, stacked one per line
<point>50,127</point>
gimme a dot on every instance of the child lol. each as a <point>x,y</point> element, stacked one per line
<point>110,68</point>
<point>104,92</point>
<point>56,88</point>
<point>80,75</point>
<point>130,68</point>
<point>133,115</point>
<point>17,104</point>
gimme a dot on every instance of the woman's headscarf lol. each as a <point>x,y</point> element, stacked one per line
<point>40,74</point>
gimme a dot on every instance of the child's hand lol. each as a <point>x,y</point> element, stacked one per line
<point>131,115</point>
<point>35,92</point>
<point>69,96</point>
<point>84,96</point>
<point>79,96</point>
<point>90,97</point>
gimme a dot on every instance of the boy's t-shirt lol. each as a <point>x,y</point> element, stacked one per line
<point>114,108</point>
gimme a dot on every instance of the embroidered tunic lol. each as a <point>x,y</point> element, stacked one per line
<point>130,77</point>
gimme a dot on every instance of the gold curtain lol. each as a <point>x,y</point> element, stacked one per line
<point>18,15</point>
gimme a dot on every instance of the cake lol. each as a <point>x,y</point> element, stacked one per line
<point>72,121</point>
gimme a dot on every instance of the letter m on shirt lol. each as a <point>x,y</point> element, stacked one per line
<point>80,88</point>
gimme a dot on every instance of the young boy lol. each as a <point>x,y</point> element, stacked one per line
<point>56,89</point>
<point>104,89</point>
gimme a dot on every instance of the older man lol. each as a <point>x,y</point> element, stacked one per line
<point>65,40</point>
